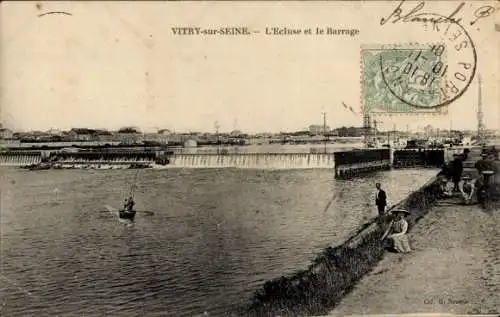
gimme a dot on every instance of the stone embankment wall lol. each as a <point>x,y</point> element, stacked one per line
<point>334,272</point>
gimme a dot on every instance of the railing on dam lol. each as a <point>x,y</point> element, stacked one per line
<point>254,160</point>
<point>351,163</point>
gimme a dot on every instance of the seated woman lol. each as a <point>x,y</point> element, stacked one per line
<point>445,189</point>
<point>468,190</point>
<point>396,232</point>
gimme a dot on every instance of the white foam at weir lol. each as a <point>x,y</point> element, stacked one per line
<point>19,160</point>
<point>254,160</point>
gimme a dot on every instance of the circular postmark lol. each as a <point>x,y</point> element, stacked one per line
<point>433,74</point>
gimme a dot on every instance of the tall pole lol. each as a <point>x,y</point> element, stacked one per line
<point>395,134</point>
<point>366,126</point>
<point>480,124</point>
<point>216,125</point>
<point>324,128</point>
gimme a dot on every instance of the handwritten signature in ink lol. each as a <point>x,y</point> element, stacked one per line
<point>416,14</point>
<point>483,12</point>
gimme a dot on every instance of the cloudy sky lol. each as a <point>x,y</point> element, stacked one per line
<point>119,64</point>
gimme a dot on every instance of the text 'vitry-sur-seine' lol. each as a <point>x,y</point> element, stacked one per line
<point>270,31</point>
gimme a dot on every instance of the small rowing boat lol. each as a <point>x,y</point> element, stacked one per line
<point>127,214</point>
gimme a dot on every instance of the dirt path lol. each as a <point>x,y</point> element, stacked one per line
<point>454,268</point>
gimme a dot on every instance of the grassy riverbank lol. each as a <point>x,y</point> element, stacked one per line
<point>335,271</point>
<point>455,268</point>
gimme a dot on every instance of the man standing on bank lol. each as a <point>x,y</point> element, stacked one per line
<point>457,170</point>
<point>380,199</point>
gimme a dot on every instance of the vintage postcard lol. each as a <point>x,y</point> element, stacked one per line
<point>249,158</point>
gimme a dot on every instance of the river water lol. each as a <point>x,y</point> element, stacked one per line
<point>215,237</point>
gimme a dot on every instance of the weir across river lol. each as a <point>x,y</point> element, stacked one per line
<point>20,158</point>
<point>254,160</point>
<point>344,163</point>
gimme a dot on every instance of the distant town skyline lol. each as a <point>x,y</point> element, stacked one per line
<point>150,129</point>
<point>126,68</point>
<point>313,128</point>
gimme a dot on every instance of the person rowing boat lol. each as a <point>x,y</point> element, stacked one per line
<point>128,211</point>
<point>129,204</point>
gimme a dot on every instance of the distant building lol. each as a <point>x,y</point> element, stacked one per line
<point>164,132</point>
<point>83,134</point>
<point>258,140</point>
<point>190,143</point>
<point>156,138</point>
<point>128,135</point>
<point>56,132</point>
<point>105,136</point>
<point>38,136</point>
<point>175,138</point>
<point>316,129</point>
<point>263,135</point>
<point>235,133</point>
<point>128,138</point>
<point>6,133</point>
<point>129,130</point>
<point>429,130</point>
<point>353,131</point>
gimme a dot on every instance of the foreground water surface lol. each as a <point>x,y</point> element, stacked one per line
<point>215,237</point>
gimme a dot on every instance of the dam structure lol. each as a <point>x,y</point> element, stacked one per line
<point>346,164</point>
<point>164,158</point>
<point>254,160</point>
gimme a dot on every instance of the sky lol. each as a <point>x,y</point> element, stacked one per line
<point>116,64</point>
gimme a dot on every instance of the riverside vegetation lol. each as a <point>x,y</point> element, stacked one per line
<point>335,271</point>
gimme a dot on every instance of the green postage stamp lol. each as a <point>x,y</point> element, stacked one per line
<point>403,79</point>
